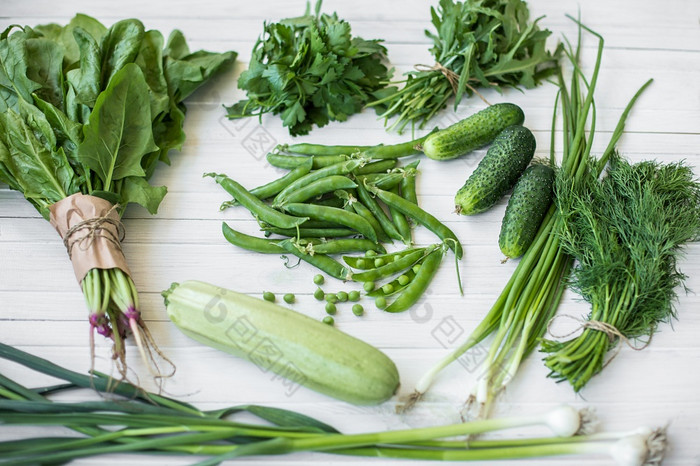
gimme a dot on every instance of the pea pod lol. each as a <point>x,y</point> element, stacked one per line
<point>319,224</point>
<point>392,268</point>
<point>415,289</point>
<point>342,168</point>
<point>380,166</point>
<point>422,217</point>
<point>408,188</point>
<point>335,215</point>
<point>257,207</point>
<point>364,212</point>
<point>353,261</point>
<point>322,262</point>
<point>340,246</point>
<point>379,151</point>
<point>381,180</point>
<point>251,243</point>
<point>374,207</point>
<point>272,188</point>
<point>395,284</point>
<point>401,223</point>
<point>310,232</point>
<point>317,188</point>
<point>293,161</point>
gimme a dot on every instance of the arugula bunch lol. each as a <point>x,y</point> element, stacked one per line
<point>310,70</point>
<point>477,43</point>
<point>92,110</point>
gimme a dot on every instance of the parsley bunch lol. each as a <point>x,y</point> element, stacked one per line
<point>478,43</point>
<point>310,70</point>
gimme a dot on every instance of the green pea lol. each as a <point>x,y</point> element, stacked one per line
<point>378,262</point>
<point>269,296</point>
<point>289,298</point>
<point>319,294</point>
<point>342,296</point>
<point>330,308</point>
<point>361,263</point>
<point>380,302</point>
<point>403,280</point>
<point>358,310</point>
<point>368,286</point>
<point>416,268</point>
<point>370,253</point>
<point>318,279</point>
<point>328,320</point>
<point>354,295</point>
<point>388,288</point>
<point>331,298</point>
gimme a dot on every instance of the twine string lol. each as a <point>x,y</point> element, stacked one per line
<point>452,78</point>
<point>610,330</point>
<point>94,228</point>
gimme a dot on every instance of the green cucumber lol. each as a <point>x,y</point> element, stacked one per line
<point>473,132</point>
<point>526,209</point>
<point>283,341</point>
<point>498,171</point>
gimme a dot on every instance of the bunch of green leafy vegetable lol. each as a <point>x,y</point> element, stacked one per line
<point>626,232</point>
<point>310,70</point>
<point>477,43</point>
<point>92,110</point>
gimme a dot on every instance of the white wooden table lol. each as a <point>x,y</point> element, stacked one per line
<point>42,309</point>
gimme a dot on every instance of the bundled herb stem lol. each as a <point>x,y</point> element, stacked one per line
<point>477,44</point>
<point>626,232</point>
<point>86,115</point>
<point>310,70</point>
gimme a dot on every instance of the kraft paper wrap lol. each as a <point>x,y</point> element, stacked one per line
<point>91,231</point>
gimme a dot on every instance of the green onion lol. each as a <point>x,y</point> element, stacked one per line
<point>521,313</point>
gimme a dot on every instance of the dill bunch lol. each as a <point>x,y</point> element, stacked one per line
<point>626,232</point>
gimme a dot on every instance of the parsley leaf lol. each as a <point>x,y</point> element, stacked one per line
<point>310,71</point>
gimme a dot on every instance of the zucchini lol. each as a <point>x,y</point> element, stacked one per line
<point>283,341</point>
<point>497,172</point>
<point>473,132</point>
<point>526,209</point>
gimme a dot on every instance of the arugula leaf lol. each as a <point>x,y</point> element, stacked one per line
<point>119,132</point>
<point>484,43</point>
<point>310,70</point>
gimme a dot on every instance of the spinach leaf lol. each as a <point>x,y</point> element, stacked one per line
<point>119,46</point>
<point>63,35</point>
<point>119,132</point>
<point>85,80</point>
<point>138,190</point>
<point>14,83</point>
<point>186,74</point>
<point>45,67</point>
<point>150,60</point>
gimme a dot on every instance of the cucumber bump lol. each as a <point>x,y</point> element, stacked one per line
<point>498,171</point>
<point>473,132</point>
